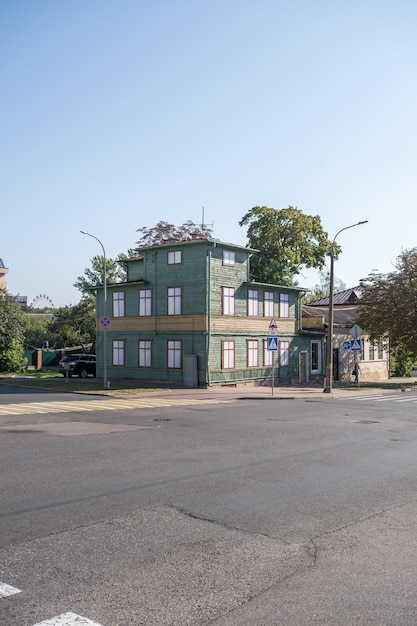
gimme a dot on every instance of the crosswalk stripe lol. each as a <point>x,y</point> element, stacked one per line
<point>7,590</point>
<point>68,619</point>
<point>100,405</point>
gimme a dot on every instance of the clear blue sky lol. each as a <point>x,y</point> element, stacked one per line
<point>115,115</point>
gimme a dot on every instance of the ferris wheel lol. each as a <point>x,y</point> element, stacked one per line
<point>42,301</point>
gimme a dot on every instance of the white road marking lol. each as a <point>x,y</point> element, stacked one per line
<point>100,405</point>
<point>67,619</point>
<point>7,590</point>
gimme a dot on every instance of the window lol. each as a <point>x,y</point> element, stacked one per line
<point>118,352</point>
<point>228,355</point>
<point>252,353</point>
<point>284,310</point>
<point>174,300</point>
<point>253,305</point>
<point>315,356</point>
<point>380,350</point>
<point>145,302</point>
<point>174,257</point>
<point>268,304</point>
<point>174,354</point>
<point>118,304</point>
<point>284,353</point>
<point>268,355</point>
<point>228,300</point>
<point>228,257</point>
<point>145,353</point>
<point>371,350</point>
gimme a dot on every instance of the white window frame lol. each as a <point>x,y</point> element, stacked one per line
<point>118,302</point>
<point>174,354</point>
<point>174,257</point>
<point>174,300</point>
<point>253,303</point>
<point>145,302</point>
<point>229,257</point>
<point>228,355</point>
<point>268,304</point>
<point>268,355</point>
<point>145,353</point>
<point>284,305</point>
<point>284,353</point>
<point>118,352</point>
<point>252,348</point>
<point>228,300</point>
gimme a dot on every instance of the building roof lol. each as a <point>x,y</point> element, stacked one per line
<point>343,298</point>
<point>188,242</point>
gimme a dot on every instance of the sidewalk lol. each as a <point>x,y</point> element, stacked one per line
<point>281,392</point>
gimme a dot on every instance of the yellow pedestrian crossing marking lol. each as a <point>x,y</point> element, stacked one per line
<point>100,405</point>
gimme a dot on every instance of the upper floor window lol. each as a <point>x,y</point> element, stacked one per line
<point>284,353</point>
<point>228,257</point>
<point>174,257</point>
<point>228,355</point>
<point>268,304</point>
<point>174,300</point>
<point>252,353</point>
<point>284,306</point>
<point>174,354</point>
<point>118,352</point>
<point>371,349</point>
<point>228,300</point>
<point>253,303</point>
<point>145,353</point>
<point>118,304</point>
<point>145,302</point>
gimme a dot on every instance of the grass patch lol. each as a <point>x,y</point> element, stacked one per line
<point>51,380</point>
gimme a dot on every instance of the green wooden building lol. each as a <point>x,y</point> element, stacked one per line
<point>188,314</point>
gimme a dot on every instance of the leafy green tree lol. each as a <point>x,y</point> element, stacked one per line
<point>12,333</point>
<point>287,240</point>
<point>94,275</point>
<point>74,326</point>
<point>163,232</point>
<point>36,330</point>
<point>388,307</point>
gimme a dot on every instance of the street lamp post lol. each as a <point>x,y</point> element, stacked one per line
<point>329,345</point>
<point>105,308</point>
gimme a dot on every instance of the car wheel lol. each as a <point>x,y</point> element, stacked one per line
<point>83,373</point>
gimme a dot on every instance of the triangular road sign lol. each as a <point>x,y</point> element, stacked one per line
<point>273,324</point>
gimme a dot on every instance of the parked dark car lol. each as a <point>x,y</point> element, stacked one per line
<point>78,365</point>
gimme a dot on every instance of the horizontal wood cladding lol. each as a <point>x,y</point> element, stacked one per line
<point>161,323</point>
<point>224,323</point>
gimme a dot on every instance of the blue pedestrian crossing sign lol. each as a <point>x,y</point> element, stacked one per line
<point>356,344</point>
<point>272,343</point>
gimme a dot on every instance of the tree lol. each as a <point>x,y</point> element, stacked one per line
<point>388,307</point>
<point>322,289</point>
<point>12,333</point>
<point>94,276</point>
<point>287,240</point>
<point>164,232</point>
<point>74,325</point>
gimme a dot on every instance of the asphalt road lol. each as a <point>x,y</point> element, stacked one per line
<point>272,512</point>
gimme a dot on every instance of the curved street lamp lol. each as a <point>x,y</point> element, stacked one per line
<point>329,346</point>
<point>84,232</point>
